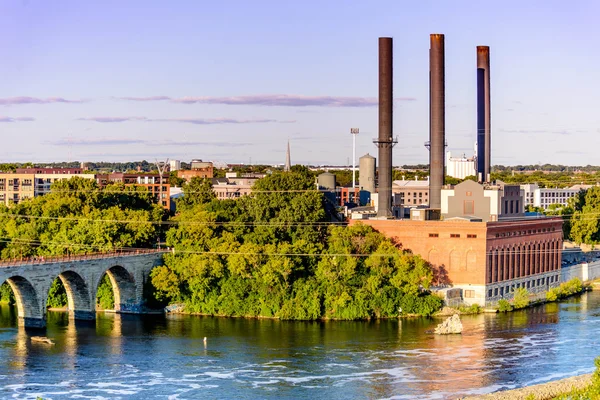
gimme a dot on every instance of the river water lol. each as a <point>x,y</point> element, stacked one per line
<point>143,357</point>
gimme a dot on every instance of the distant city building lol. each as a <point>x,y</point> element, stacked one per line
<point>460,167</point>
<point>544,197</point>
<point>199,164</point>
<point>174,165</point>
<point>410,193</point>
<point>233,187</point>
<point>161,191</point>
<point>31,182</point>
<point>198,169</point>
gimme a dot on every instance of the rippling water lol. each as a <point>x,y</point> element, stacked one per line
<point>141,357</point>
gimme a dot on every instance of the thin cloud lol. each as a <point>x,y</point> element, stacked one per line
<point>195,121</point>
<point>160,143</point>
<point>95,142</point>
<point>273,100</point>
<point>9,101</point>
<point>151,98</point>
<point>571,152</point>
<point>112,119</point>
<point>195,143</point>
<point>537,131</point>
<point>215,121</point>
<point>16,119</point>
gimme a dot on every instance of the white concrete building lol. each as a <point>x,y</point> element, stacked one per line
<point>544,197</point>
<point>174,165</point>
<point>460,167</point>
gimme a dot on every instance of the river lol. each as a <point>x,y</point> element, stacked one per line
<point>155,356</point>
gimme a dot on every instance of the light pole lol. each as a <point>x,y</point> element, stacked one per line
<point>354,132</point>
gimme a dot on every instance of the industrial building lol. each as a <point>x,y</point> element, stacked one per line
<point>460,167</point>
<point>475,235</point>
<point>410,193</point>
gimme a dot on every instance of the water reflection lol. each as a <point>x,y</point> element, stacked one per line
<point>145,356</point>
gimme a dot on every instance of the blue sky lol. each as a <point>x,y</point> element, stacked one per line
<point>234,80</point>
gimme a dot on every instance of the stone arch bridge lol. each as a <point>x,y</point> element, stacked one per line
<point>31,279</point>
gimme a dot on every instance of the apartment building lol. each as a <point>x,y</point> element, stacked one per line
<point>16,187</point>
<point>31,182</point>
<point>161,191</point>
<point>544,197</point>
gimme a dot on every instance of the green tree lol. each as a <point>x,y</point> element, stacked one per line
<point>197,191</point>
<point>585,221</point>
<point>174,180</point>
<point>57,295</point>
<point>105,298</point>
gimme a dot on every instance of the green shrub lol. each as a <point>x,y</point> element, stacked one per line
<point>504,305</point>
<point>57,295</point>
<point>552,294</point>
<point>6,294</point>
<point>472,309</point>
<point>423,304</point>
<point>105,297</point>
<point>565,289</point>
<point>521,298</point>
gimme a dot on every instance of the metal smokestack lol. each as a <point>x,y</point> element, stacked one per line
<point>483,114</point>
<point>385,140</point>
<point>437,128</point>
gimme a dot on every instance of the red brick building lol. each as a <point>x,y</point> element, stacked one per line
<point>487,260</point>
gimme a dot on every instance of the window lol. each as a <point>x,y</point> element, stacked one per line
<point>471,236</point>
<point>434,235</point>
<point>511,207</point>
<point>469,207</point>
<point>455,235</point>
<point>469,194</point>
<point>469,294</point>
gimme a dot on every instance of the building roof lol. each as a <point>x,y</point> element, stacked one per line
<point>421,184</point>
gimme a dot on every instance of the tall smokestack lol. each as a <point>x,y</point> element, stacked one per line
<point>483,114</point>
<point>385,140</point>
<point>437,127</point>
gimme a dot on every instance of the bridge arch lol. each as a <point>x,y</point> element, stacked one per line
<point>30,311</point>
<point>79,298</point>
<point>124,288</point>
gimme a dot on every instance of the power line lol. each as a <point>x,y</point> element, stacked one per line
<point>173,222</point>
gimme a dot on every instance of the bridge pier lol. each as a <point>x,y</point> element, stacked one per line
<point>82,315</point>
<point>29,322</point>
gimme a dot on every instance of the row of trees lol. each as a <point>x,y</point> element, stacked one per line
<point>273,255</point>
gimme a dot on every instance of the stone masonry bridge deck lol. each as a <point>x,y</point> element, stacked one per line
<point>31,279</point>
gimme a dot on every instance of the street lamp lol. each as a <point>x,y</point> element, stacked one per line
<point>354,132</point>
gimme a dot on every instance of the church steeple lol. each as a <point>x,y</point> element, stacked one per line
<point>288,160</point>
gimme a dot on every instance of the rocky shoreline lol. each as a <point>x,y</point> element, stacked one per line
<point>543,391</point>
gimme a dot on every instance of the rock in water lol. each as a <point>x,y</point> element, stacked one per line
<point>449,326</point>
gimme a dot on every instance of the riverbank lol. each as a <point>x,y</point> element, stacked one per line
<point>543,391</point>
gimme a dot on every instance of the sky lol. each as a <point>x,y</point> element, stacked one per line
<point>233,81</point>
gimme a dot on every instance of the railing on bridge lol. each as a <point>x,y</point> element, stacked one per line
<point>78,257</point>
